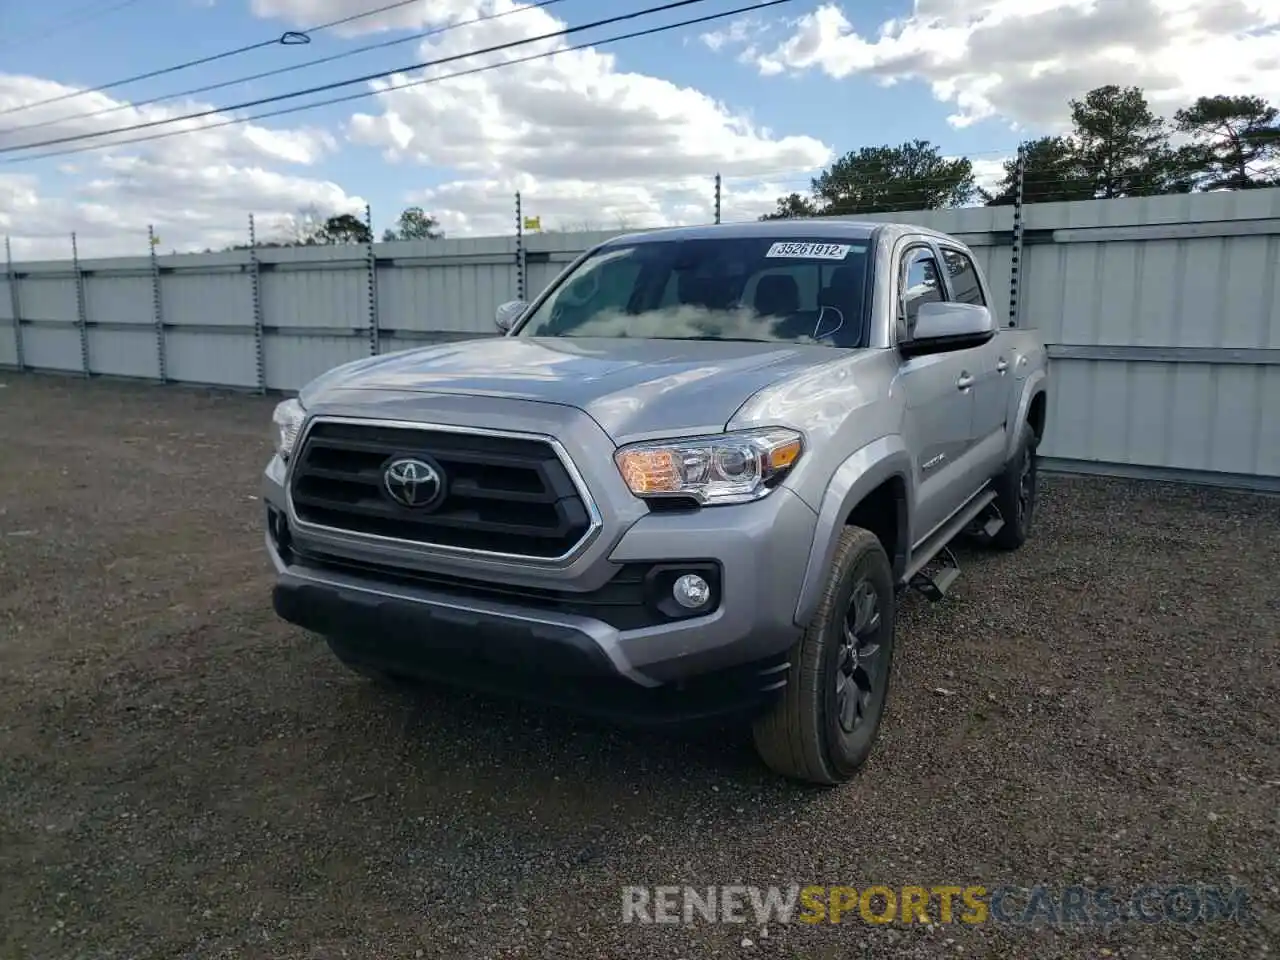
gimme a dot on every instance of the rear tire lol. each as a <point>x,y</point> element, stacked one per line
<point>1016,489</point>
<point>824,726</point>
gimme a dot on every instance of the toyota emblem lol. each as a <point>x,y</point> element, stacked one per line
<point>413,483</point>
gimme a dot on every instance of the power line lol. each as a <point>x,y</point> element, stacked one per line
<point>635,34</point>
<point>134,104</point>
<point>1085,177</point>
<point>81,15</point>
<point>1084,173</point>
<point>1008,153</point>
<point>337,84</point>
<point>288,38</point>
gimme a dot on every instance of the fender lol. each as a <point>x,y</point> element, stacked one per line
<point>1030,388</point>
<point>856,477</point>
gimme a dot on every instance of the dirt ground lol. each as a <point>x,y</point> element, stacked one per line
<point>182,775</point>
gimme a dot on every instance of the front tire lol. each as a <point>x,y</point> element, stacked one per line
<point>824,726</point>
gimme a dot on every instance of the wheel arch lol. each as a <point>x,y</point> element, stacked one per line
<point>1033,402</point>
<point>872,489</point>
<point>1036,413</point>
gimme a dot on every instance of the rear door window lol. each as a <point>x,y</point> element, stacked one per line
<point>964,277</point>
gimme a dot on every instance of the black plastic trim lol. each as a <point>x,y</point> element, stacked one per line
<point>537,661</point>
<point>629,600</point>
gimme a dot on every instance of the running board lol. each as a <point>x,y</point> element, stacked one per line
<point>993,525</point>
<point>986,524</point>
<point>937,541</point>
<point>935,586</point>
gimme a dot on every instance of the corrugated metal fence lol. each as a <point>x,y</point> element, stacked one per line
<point>1162,315</point>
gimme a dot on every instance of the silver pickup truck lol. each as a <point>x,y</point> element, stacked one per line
<point>692,478</point>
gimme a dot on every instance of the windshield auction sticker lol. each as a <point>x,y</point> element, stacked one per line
<point>818,251</point>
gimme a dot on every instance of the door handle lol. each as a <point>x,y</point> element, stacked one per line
<point>964,382</point>
<point>1002,365</point>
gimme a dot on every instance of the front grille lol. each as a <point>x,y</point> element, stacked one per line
<point>510,495</point>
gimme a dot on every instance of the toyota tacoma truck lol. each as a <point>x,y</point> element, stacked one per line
<point>691,478</point>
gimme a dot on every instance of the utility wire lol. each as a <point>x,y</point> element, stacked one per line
<point>1084,178</point>
<point>1009,153</point>
<point>82,15</point>
<point>635,34</point>
<point>338,84</point>
<point>288,38</point>
<point>134,104</point>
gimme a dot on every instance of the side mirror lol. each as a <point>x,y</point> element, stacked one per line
<point>942,326</point>
<point>509,313</point>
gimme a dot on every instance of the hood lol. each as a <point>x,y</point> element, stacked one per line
<point>631,387</point>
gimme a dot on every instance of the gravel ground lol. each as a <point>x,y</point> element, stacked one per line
<point>181,775</point>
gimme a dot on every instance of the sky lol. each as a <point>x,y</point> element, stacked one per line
<point>615,136</point>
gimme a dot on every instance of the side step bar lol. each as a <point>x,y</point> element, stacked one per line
<point>936,587</point>
<point>994,523</point>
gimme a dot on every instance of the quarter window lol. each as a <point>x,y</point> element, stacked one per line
<point>964,277</point>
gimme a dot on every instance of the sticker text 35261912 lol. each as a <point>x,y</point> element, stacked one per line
<point>810,251</point>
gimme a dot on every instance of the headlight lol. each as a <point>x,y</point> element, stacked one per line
<point>287,420</point>
<point>727,468</point>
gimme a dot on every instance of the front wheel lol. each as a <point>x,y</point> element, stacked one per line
<point>824,726</point>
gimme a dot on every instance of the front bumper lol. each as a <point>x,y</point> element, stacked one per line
<point>534,631</point>
<point>731,660</point>
<point>507,651</point>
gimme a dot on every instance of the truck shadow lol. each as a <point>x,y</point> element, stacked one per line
<point>455,730</point>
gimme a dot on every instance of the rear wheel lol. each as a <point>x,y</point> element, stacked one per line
<point>823,728</point>
<point>1016,494</point>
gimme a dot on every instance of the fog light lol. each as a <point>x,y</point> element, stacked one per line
<point>691,591</point>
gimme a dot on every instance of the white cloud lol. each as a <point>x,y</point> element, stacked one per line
<point>744,30</point>
<point>746,33</point>
<point>577,132</point>
<point>487,206</point>
<point>987,172</point>
<point>18,199</point>
<point>301,14</point>
<point>196,189</point>
<point>97,112</point>
<point>585,142</point>
<point>1022,60</point>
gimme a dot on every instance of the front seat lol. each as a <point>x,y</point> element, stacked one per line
<point>777,295</point>
<point>709,292</point>
<point>844,291</point>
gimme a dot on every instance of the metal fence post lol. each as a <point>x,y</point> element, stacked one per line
<point>16,304</point>
<point>717,198</point>
<point>256,285</point>
<point>156,310</point>
<point>1015,255</point>
<point>375,335</point>
<point>82,308</point>
<point>519,249</point>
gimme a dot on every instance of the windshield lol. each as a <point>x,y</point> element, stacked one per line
<point>748,288</point>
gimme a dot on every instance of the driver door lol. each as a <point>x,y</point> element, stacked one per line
<point>938,391</point>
